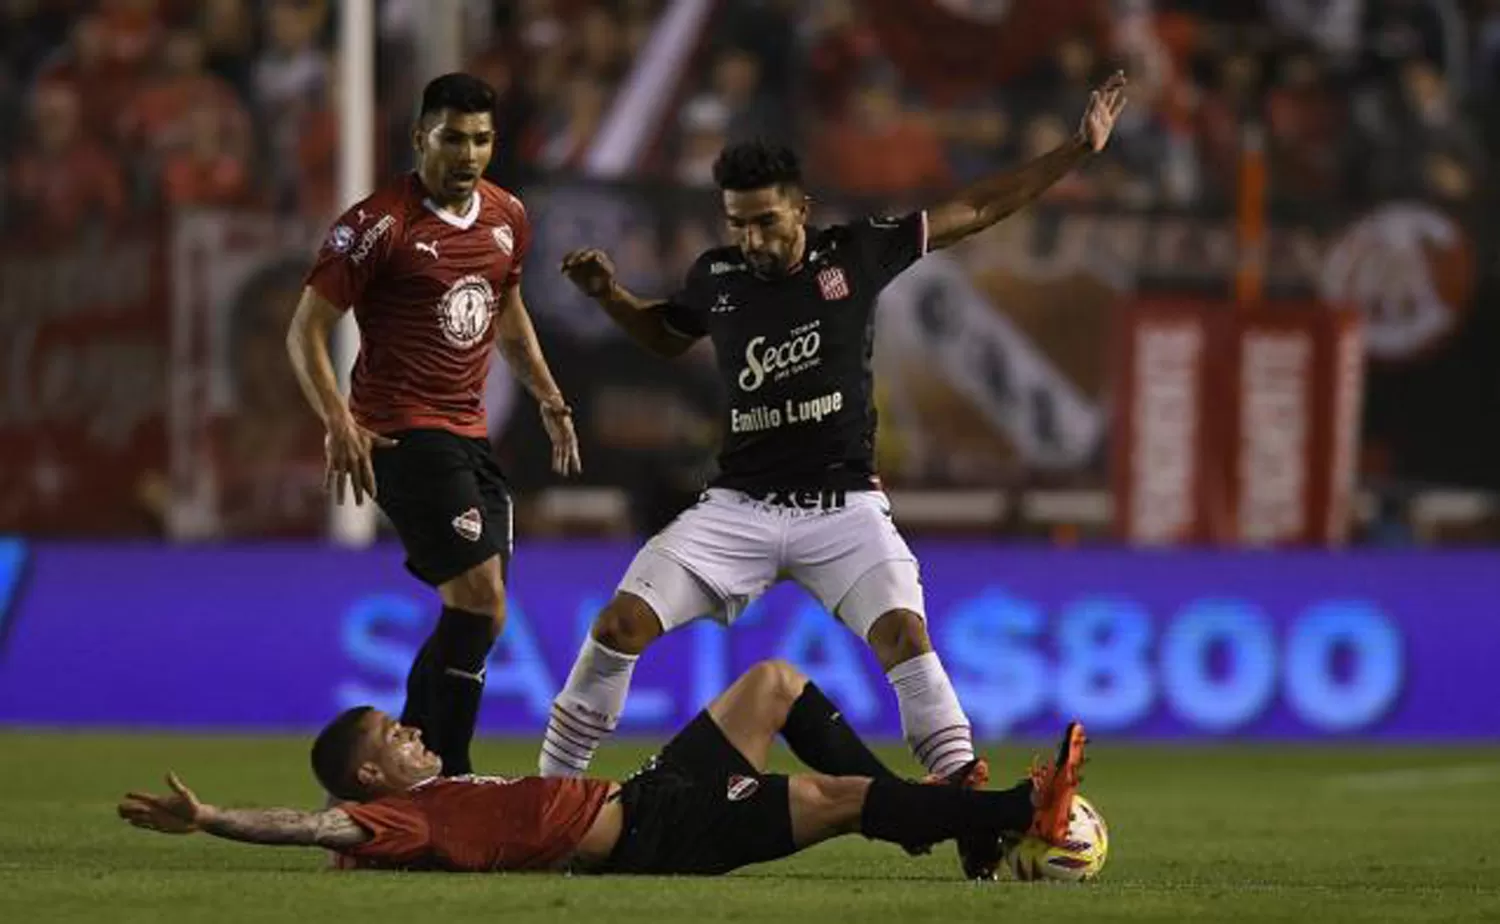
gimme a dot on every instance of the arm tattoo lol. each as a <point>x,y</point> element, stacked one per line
<point>330,828</point>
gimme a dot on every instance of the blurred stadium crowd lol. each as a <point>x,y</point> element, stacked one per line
<point>123,114</point>
<point>131,104</point>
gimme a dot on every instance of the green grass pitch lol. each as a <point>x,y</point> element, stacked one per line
<point>1231,833</point>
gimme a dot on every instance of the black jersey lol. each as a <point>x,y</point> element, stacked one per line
<point>795,353</point>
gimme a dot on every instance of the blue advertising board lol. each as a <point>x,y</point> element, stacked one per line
<point>1282,645</point>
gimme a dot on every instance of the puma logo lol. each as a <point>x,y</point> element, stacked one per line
<point>425,247</point>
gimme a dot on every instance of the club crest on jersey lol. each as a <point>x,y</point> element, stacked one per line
<point>741,788</point>
<point>464,311</point>
<point>833,284</point>
<point>341,238</point>
<point>469,524</point>
<point>505,238</point>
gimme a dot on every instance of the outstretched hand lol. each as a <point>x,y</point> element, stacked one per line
<point>1105,105</point>
<point>178,813</point>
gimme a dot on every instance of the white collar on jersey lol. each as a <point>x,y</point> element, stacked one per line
<point>462,222</point>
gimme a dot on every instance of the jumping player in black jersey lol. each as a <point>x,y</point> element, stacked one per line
<point>790,309</point>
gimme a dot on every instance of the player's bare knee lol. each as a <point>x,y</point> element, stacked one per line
<point>776,683</point>
<point>898,636</point>
<point>481,589</point>
<point>627,625</point>
<point>786,681</point>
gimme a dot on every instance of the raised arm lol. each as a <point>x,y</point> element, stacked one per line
<point>183,813</point>
<point>643,319</point>
<point>992,199</point>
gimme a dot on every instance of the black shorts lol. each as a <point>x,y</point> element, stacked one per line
<point>447,499</point>
<point>700,809</point>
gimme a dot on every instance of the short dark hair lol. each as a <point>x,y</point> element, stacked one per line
<point>751,165</point>
<point>334,750</point>
<point>459,92</point>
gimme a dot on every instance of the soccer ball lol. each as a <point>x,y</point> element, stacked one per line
<point>1079,859</point>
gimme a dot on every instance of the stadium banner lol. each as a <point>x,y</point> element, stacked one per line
<point>1162,645</point>
<point>1004,370</point>
<point>1236,425</point>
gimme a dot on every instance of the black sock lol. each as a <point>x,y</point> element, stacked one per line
<point>455,678</point>
<point>912,813</point>
<point>817,733</point>
<point>419,689</point>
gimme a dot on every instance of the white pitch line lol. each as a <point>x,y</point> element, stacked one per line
<point>1417,778</point>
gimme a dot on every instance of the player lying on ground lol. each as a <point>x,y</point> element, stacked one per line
<point>704,805</point>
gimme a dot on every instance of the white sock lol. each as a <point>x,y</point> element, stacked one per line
<point>931,718</point>
<point>587,710</point>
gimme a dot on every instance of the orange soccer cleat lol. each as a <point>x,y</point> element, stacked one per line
<point>1056,784</point>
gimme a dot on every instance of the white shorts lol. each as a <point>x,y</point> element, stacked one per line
<point>737,547</point>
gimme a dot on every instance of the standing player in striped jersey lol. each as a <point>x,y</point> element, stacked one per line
<point>790,312</point>
<point>431,264</point>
